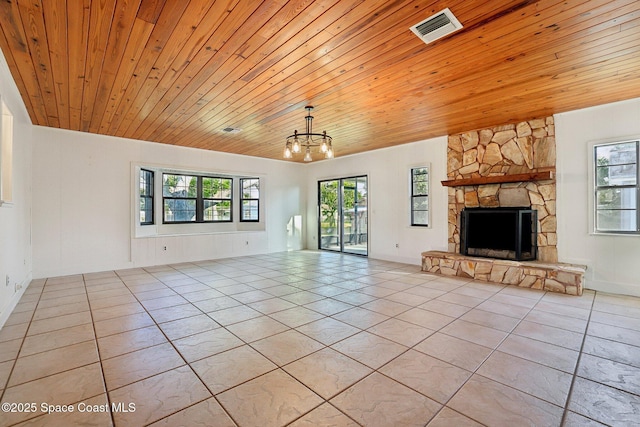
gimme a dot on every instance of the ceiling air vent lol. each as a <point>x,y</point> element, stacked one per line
<point>231,130</point>
<point>437,26</point>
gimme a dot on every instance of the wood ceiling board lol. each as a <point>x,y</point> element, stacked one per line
<point>178,72</point>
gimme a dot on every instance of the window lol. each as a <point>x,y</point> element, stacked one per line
<point>192,198</point>
<point>216,194</point>
<point>6,154</point>
<point>249,199</point>
<point>616,188</point>
<point>146,197</point>
<point>420,196</point>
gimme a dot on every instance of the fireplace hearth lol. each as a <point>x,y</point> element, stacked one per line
<point>503,233</point>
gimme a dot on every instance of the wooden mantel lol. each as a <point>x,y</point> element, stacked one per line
<point>521,177</point>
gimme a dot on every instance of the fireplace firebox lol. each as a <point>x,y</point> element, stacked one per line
<point>505,233</point>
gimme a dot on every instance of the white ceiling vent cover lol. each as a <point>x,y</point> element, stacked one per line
<point>231,130</point>
<point>437,26</point>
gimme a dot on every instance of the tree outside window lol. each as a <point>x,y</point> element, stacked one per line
<point>189,198</point>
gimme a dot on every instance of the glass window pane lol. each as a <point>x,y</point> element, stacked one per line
<point>176,210</point>
<point>169,183</point>
<point>420,203</point>
<point>623,175</point>
<point>179,185</point>
<point>419,171</point>
<point>222,188</point>
<point>217,210</point>
<point>616,164</point>
<point>250,188</point>
<point>602,175</point>
<point>208,187</point>
<point>250,210</point>
<point>420,188</point>
<point>420,218</point>
<point>616,220</point>
<point>616,154</point>
<point>616,198</point>
<point>192,191</point>
<point>146,182</point>
<point>146,210</point>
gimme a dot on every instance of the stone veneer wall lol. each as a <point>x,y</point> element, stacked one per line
<point>525,147</point>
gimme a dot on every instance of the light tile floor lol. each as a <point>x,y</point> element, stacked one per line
<point>311,339</point>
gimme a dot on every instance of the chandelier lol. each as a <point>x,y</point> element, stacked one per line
<point>299,142</point>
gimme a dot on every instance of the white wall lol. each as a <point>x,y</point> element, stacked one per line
<point>388,172</point>
<point>83,204</point>
<point>15,218</point>
<point>613,261</point>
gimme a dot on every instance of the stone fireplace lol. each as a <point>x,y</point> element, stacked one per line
<point>523,150</point>
<point>506,166</point>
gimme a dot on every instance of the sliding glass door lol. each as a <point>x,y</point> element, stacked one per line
<point>329,216</point>
<point>342,220</point>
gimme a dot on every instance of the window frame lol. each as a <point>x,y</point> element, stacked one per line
<point>6,155</point>
<point>149,199</point>
<point>249,199</point>
<point>414,196</point>
<point>199,198</point>
<point>597,188</point>
<point>201,207</point>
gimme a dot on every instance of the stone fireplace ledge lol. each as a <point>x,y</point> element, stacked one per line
<point>554,277</point>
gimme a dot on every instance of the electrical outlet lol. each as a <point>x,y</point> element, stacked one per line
<point>164,248</point>
<point>246,243</point>
<point>397,245</point>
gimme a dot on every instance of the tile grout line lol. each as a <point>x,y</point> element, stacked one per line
<point>281,367</point>
<point>325,346</point>
<point>409,348</point>
<point>175,349</point>
<point>575,370</point>
<point>95,337</point>
<point>24,337</point>
<point>521,319</point>
<point>213,395</point>
<point>493,350</point>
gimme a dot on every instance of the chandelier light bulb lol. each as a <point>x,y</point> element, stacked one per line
<point>329,153</point>
<point>287,151</point>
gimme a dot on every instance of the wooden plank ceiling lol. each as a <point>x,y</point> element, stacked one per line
<point>179,71</point>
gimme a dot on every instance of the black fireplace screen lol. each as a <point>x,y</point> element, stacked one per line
<point>506,233</point>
